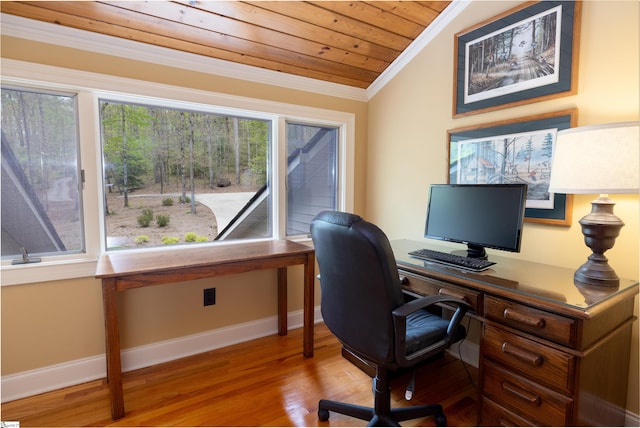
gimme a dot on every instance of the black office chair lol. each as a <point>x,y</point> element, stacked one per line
<point>364,307</point>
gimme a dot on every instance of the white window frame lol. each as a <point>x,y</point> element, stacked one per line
<point>90,87</point>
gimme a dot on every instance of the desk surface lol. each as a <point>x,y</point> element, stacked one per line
<point>510,277</point>
<point>116,264</point>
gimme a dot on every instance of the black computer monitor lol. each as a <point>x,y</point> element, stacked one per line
<point>479,215</point>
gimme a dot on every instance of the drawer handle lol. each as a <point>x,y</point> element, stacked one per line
<point>404,280</point>
<point>445,292</point>
<point>523,318</point>
<point>532,399</point>
<point>523,354</point>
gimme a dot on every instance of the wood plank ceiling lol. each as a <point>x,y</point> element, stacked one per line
<point>346,42</point>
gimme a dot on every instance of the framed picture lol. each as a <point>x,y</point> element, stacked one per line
<point>514,151</point>
<point>525,55</point>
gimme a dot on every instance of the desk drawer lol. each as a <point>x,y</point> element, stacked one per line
<point>526,398</point>
<point>431,287</point>
<point>494,415</point>
<point>540,323</point>
<point>546,365</point>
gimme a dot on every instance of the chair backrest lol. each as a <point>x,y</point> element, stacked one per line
<point>359,282</point>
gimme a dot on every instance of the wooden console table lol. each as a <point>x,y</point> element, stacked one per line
<point>552,353</point>
<point>120,271</point>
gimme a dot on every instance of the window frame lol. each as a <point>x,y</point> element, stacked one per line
<point>90,87</point>
<point>78,161</point>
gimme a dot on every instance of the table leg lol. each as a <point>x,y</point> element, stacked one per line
<point>309,308</point>
<point>282,301</point>
<point>112,347</point>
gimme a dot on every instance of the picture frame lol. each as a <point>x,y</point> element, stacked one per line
<point>527,54</point>
<point>514,151</point>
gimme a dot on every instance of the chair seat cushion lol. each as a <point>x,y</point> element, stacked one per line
<point>424,329</point>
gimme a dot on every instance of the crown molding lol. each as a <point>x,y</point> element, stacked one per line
<point>44,32</point>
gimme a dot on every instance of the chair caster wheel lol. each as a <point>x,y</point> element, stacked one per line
<point>323,415</point>
<point>441,420</point>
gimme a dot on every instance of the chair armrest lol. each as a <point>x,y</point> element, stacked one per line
<point>424,302</point>
<point>400,317</point>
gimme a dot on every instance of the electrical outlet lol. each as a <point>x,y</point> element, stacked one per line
<point>209,296</point>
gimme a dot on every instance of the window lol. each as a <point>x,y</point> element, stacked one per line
<point>312,179</point>
<point>291,162</point>
<point>176,176</point>
<point>41,201</point>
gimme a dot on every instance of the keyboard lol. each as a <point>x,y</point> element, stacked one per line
<point>466,263</point>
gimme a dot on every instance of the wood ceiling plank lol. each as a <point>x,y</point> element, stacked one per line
<point>437,5</point>
<point>351,77</point>
<point>410,10</point>
<point>257,36</point>
<point>268,19</point>
<point>146,28</point>
<point>333,21</point>
<point>382,20</point>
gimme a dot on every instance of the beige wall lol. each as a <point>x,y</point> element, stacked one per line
<point>408,120</point>
<point>49,323</point>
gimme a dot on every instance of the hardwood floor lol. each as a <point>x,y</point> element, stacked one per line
<point>265,382</point>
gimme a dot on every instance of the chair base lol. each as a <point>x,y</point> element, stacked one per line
<point>388,419</point>
<point>381,414</point>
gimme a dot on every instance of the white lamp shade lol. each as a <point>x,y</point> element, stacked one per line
<point>597,159</point>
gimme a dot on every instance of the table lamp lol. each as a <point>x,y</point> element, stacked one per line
<point>599,159</point>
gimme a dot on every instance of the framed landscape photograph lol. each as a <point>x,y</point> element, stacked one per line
<point>527,54</point>
<point>514,151</point>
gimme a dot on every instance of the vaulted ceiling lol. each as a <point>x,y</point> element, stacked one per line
<point>346,42</point>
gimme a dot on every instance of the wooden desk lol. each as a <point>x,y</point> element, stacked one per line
<point>552,353</point>
<point>120,271</point>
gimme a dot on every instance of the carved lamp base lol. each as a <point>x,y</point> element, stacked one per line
<point>600,228</point>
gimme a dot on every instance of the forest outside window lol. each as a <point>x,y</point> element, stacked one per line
<point>41,178</point>
<point>179,176</point>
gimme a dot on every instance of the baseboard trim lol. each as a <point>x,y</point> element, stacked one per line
<point>38,381</point>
